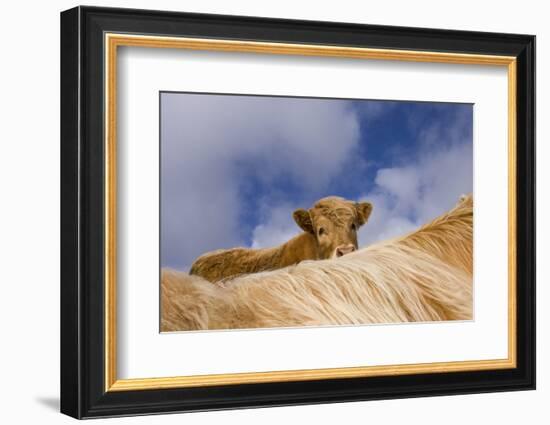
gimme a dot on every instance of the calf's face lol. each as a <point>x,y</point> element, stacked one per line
<point>334,222</point>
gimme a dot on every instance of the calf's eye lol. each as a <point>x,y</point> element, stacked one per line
<point>321,231</point>
<point>353,226</point>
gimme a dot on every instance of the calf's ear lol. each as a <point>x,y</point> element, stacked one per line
<point>303,219</point>
<point>363,211</point>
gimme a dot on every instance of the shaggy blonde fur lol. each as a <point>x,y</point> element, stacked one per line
<point>423,276</point>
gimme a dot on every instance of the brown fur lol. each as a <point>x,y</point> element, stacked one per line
<point>423,276</point>
<point>333,214</point>
<point>218,265</point>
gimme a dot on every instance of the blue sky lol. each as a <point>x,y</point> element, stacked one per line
<point>233,168</point>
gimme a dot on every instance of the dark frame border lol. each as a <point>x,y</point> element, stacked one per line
<point>82,205</point>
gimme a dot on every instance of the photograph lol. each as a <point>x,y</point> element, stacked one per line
<point>280,211</point>
<point>285,210</point>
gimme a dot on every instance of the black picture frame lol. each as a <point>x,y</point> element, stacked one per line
<point>83,392</point>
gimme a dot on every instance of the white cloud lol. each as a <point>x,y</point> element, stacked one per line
<point>206,140</point>
<point>386,221</point>
<point>402,183</point>
<point>408,196</point>
<point>277,228</point>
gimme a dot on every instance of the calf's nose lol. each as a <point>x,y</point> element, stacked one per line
<point>344,249</point>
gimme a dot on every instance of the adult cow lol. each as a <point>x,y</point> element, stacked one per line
<point>329,231</point>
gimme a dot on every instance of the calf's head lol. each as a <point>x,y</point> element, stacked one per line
<point>334,222</point>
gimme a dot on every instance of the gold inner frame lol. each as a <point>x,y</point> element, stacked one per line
<point>113,41</point>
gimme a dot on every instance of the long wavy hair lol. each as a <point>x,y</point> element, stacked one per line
<point>423,276</point>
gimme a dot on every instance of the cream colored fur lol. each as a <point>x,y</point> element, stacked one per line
<point>423,276</point>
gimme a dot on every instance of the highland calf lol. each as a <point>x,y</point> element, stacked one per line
<point>329,231</point>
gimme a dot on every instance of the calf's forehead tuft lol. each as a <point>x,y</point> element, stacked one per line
<point>336,209</point>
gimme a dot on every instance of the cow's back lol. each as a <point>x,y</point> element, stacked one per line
<point>226,263</point>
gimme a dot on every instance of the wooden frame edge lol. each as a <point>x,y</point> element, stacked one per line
<point>306,375</point>
<point>114,40</point>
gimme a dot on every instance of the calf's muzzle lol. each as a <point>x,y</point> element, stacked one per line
<point>343,250</point>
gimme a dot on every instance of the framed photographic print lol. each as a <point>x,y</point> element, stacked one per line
<point>261,212</point>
